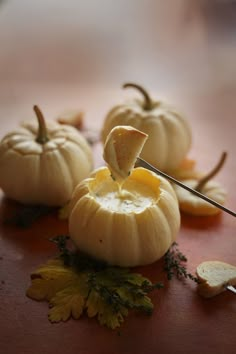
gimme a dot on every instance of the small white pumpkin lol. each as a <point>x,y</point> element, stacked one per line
<point>192,204</point>
<point>169,133</point>
<point>186,170</point>
<point>131,228</point>
<point>130,223</point>
<point>42,164</point>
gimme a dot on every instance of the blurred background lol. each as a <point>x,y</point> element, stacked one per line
<point>76,54</point>
<point>187,44</point>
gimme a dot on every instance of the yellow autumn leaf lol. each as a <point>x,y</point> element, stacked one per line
<point>94,304</point>
<point>106,314</point>
<point>66,303</point>
<point>103,292</point>
<point>109,318</point>
<point>49,279</point>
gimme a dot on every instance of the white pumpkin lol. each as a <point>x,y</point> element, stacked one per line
<point>169,133</point>
<point>131,227</point>
<point>42,164</point>
<point>128,220</point>
<point>192,204</point>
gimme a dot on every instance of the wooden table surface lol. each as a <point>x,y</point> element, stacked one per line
<point>190,69</point>
<point>182,322</point>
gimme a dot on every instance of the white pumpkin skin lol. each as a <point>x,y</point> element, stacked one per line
<point>169,133</point>
<point>130,233</point>
<point>193,205</point>
<point>36,173</point>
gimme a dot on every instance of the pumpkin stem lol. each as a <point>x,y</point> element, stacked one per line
<point>147,104</point>
<point>212,173</point>
<point>42,136</point>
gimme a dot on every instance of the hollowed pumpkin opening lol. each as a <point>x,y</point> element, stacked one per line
<point>138,192</point>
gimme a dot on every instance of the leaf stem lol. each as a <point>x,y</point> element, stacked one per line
<point>42,136</point>
<point>148,103</point>
<point>212,173</point>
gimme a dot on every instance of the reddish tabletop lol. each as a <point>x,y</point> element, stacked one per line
<point>182,321</point>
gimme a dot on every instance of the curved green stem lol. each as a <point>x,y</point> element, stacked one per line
<point>212,173</point>
<point>42,136</point>
<point>148,103</point>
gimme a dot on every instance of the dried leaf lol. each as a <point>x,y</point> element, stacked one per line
<point>66,303</point>
<point>75,283</point>
<point>96,306</point>
<point>49,279</point>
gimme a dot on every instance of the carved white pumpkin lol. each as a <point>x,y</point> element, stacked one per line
<point>130,223</point>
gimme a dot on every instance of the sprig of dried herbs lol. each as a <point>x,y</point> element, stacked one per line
<point>118,288</point>
<point>75,283</point>
<point>26,215</point>
<point>175,264</point>
<point>78,260</point>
